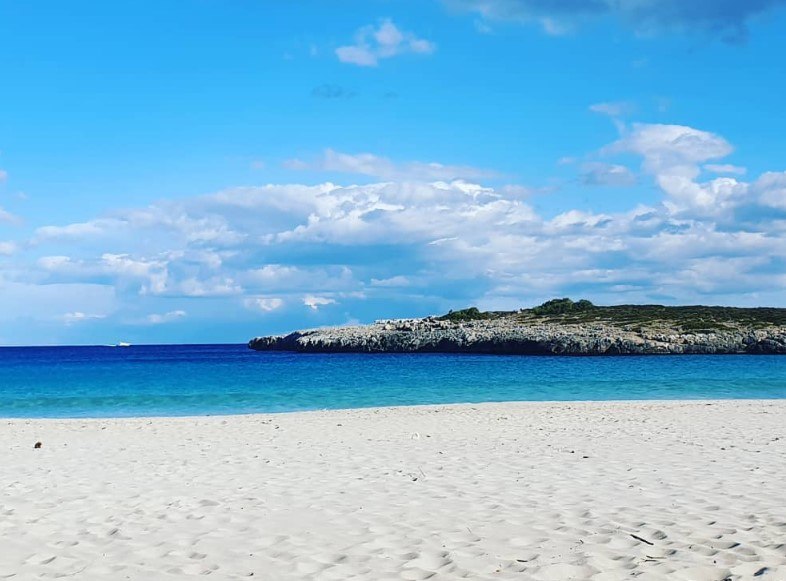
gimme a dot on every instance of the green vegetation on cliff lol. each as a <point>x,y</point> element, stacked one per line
<point>470,314</point>
<point>562,306</point>
<point>695,319</point>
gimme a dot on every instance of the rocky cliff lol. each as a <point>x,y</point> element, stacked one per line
<point>559,327</point>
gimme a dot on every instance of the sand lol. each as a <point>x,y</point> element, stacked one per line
<point>542,491</point>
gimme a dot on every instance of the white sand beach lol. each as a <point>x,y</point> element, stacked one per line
<point>542,491</point>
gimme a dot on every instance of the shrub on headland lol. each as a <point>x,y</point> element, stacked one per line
<point>470,314</point>
<point>687,318</point>
<point>562,306</point>
<point>552,307</point>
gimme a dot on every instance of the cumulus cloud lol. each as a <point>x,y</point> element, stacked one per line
<point>669,145</point>
<point>264,304</point>
<point>389,213</point>
<point>165,219</point>
<point>376,166</point>
<point>727,19</point>
<point>771,190</point>
<point>151,275</point>
<point>174,273</point>
<point>315,302</point>
<point>220,286</point>
<point>576,219</point>
<point>373,44</point>
<point>674,154</point>
<point>440,243</point>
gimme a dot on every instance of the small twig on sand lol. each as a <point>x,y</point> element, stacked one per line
<point>642,540</point>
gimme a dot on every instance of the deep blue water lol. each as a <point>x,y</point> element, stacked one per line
<point>228,379</point>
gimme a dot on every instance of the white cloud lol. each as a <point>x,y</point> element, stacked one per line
<point>125,265</point>
<point>417,242</point>
<point>669,146</point>
<point>612,109</point>
<point>394,213</point>
<point>376,166</point>
<point>725,168</point>
<point>152,275</point>
<point>265,304</point>
<point>272,274</point>
<point>3,176</point>
<point>315,302</point>
<point>357,55</point>
<point>673,155</point>
<point>80,317</point>
<point>373,44</point>
<point>393,281</point>
<point>771,189</point>
<point>164,219</point>
<point>6,216</point>
<point>169,317</point>
<point>7,248</point>
<point>606,174</point>
<point>212,287</point>
<point>78,230</point>
<point>575,219</point>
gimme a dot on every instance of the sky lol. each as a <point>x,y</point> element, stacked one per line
<point>197,171</point>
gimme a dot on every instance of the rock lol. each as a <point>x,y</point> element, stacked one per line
<point>512,334</point>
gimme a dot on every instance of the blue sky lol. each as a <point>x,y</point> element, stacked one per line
<point>206,170</point>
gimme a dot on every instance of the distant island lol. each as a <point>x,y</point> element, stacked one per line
<point>557,327</point>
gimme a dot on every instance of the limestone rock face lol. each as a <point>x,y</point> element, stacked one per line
<point>514,334</point>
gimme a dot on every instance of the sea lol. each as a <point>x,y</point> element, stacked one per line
<point>179,380</point>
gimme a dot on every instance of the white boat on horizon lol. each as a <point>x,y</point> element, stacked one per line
<point>123,344</point>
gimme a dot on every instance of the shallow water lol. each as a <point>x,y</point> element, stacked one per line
<point>177,380</point>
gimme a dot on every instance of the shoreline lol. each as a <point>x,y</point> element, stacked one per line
<point>426,406</point>
<point>668,401</point>
<point>663,489</point>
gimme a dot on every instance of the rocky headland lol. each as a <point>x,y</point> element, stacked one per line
<point>558,327</point>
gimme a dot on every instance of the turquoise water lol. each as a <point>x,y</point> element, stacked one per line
<point>229,379</point>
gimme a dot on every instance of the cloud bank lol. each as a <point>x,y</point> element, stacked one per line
<point>327,251</point>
